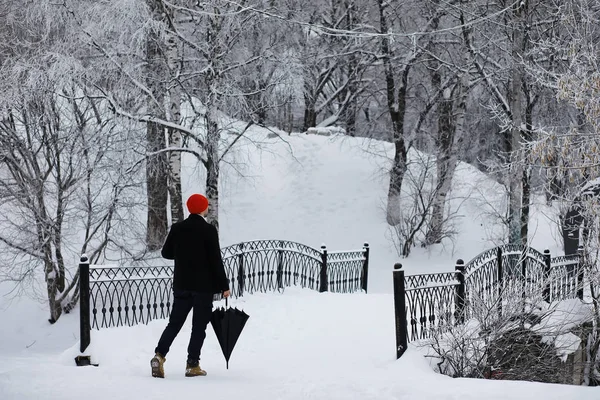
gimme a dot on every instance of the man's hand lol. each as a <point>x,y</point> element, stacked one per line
<point>226,293</point>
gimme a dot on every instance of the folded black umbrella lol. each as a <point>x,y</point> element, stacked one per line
<point>228,324</point>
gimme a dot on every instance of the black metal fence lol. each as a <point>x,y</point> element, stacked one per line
<point>123,295</point>
<point>430,303</point>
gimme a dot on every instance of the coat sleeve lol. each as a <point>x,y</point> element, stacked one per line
<point>216,261</point>
<point>168,249</point>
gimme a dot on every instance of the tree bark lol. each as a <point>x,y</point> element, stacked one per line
<point>450,125</point>
<point>396,101</point>
<point>212,81</point>
<point>175,140</point>
<point>310,114</point>
<point>349,113</point>
<point>51,273</point>
<point>526,179</point>
<point>156,163</point>
<point>212,167</point>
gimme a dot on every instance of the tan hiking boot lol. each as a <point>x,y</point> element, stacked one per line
<point>157,363</point>
<point>191,370</point>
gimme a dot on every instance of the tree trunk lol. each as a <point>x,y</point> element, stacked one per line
<point>553,180</point>
<point>450,126</point>
<point>51,283</point>
<point>51,273</point>
<point>156,178</point>
<point>442,142</point>
<point>352,107</point>
<point>349,115</point>
<point>526,179</point>
<point>175,140</point>
<point>396,101</point>
<point>60,214</point>
<point>516,102</point>
<point>212,167</point>
<point>156,164</point>
<point>310,114</point>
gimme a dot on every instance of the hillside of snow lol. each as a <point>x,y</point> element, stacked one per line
<point>332,190</point>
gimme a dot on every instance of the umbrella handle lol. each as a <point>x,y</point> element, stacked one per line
<point>226,302</point>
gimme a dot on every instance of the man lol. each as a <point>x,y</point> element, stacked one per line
<point>199,273</point>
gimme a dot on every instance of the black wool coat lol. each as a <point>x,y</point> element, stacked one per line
<point>194,245</point>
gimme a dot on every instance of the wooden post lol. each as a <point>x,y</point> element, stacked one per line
<point>400,311</point>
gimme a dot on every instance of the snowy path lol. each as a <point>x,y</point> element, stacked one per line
<point>298,345</point>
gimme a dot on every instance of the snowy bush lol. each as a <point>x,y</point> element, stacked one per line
<point>537,343</point>
<point>459,351</point>
<point>419,198</point>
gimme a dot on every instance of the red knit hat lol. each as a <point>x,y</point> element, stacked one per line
<point>197,203</point>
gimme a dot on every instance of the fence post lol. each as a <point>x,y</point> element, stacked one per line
<point>500,280</point>
<point>365,271</point>
<point>400,311</point>
<point>84,311</point>
<point>280,265</point>
<point>241,273</point>
<point>323,287</point>
<point>547,266</point>
<point>459,299</point>
<point>580,271</point>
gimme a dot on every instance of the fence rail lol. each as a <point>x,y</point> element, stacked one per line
<point>127,295</point>
<point>431,301</point>
<point>498,277</point>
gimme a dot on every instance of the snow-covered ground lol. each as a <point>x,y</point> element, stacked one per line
<point>299,344</point>
<point>296,345</point>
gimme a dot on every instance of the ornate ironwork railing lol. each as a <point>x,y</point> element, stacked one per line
<point>345,271</point>
<point>565,278</point>
<point>271,266</point>
<point>129,295</point>
<point>430,303</point>
<point>422,280</point>
<point>505,276</point>
<point>520,273</point>
<point>125,296</point>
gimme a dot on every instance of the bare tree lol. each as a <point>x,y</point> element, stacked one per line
<point>418,202</point>
<point>55,163</point>
<point>156,77</point>
<point>396,70</point>
<point>193,88</point>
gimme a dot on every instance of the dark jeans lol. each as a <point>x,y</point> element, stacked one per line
<point>184,301</point>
